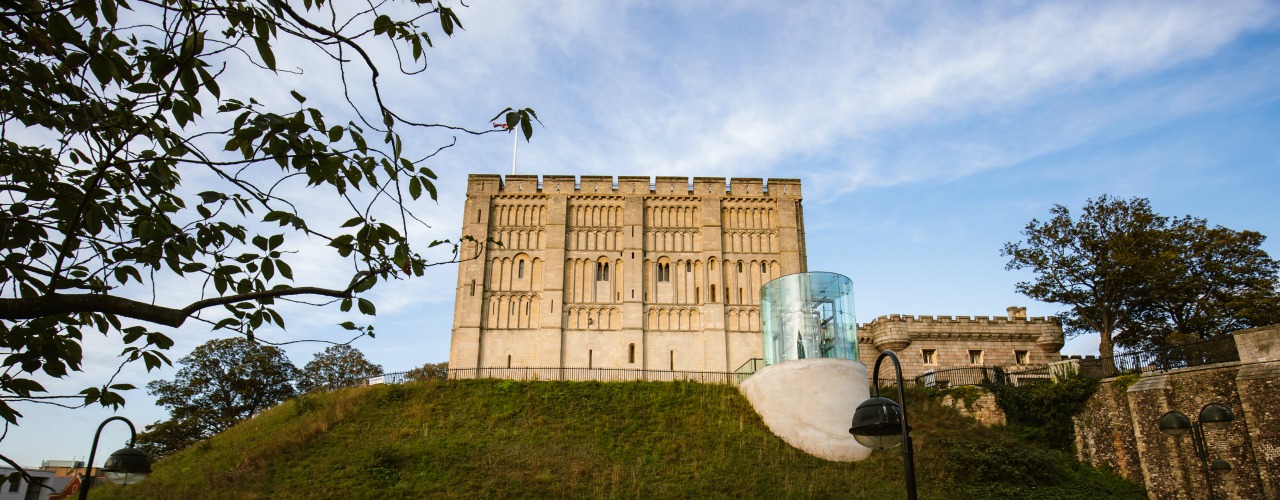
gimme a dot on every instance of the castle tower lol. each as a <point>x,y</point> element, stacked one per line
<point>625,273</point>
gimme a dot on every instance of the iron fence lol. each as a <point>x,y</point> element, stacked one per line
<point>977,375</point>
<point>598,374</point>
<point>1205,352</point>
<point>1208,352</point>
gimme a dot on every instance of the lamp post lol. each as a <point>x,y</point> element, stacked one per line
<point>881,423</point>
<point>127,465</point>
<point>1174,423</point>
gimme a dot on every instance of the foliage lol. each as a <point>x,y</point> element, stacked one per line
<point>429,371</point>
<point>516,439</point>
<point>1212,281</point>
<point>1043,409</point>
<point>967,394</point>
<point>337,366</point>
<point>1125,381</point>
<point>1138,278</point>
<point>135,153</point>
<point>221,383</point>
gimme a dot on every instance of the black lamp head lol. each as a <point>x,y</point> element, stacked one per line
<point>1175,423</point>
<point>877,423</point>
<point>127,465</point>
<point>1215,413</point>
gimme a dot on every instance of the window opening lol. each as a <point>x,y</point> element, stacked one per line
<point>930,356</point>
<point>688,267</point>
<point>739,267</point>
<point>975,357</point>
<point>673,361</point>
<point>1021,357</point>
<point>631,354</point>
<point>508,361</point>
<point>589,356</point>
<point>713,293</point>
<point>473,288</point>
<point>520,273</point>
<point>764,268</point>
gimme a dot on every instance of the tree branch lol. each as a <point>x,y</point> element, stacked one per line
<point>48,305</point>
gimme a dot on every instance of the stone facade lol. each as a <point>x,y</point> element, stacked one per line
<point>627,273</point>
<point>665,274</point>
<point>1118,428</point>
<point>926,343</point>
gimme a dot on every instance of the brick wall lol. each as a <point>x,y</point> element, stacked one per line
<point>1118,429</point>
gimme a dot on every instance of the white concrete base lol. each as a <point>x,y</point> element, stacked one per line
<point>809,403</point>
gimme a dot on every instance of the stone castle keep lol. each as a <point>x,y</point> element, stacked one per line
<point>664,275</point>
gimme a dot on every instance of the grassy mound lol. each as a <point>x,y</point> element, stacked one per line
<point>506,439</point>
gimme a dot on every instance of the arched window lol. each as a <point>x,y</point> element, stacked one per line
<point>712,264</point>
<point>739,266</point>
<point>631,354</point>
<point>664,272</point>
<point>713,293</point>
<point>473,288</point>
<point>520,272</point>
<point>688,267</point>
<point>508,361</point>
<point>764,268</point>
<point>602,271</point>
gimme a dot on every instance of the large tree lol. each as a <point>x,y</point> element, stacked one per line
<point>221,383</point>
<point>1208,281</point>
<point>337,366</point>
<point>1139,278</point>
<point>109,109</point>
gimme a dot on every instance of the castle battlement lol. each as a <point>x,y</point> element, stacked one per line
<point>737,187</point>
<point>984,320</point>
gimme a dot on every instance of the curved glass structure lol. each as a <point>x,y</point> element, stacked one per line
<point>808,315</point>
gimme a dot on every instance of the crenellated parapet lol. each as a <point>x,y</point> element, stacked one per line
<point>986,320</point>
<point>965,340</point>
<point>588,185</point>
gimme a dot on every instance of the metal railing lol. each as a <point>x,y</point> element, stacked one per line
<point>598,374</point>
<point>977,375</point>
<point>1205,352</point>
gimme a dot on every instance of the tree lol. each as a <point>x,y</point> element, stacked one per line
<point>1137,277</point>
<point>108,106</point>
<point>429,371</point>
<point>337,366</point>
<point>1209,281</point>
<point>1093,264</point>
<point>221,383</point>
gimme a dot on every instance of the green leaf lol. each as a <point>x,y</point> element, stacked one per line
<point>264,50</point>
<point>299,97</point>
<point>415,188</point>
<point>335,133</point>
<point>366,307</point>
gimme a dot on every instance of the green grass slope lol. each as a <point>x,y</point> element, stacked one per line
<point>506,439</point>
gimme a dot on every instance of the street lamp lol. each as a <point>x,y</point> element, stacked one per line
<point>127,465</point>
<point>881,423</point>
<point>1175,424</point>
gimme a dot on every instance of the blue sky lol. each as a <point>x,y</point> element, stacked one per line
<point>925,134</point>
